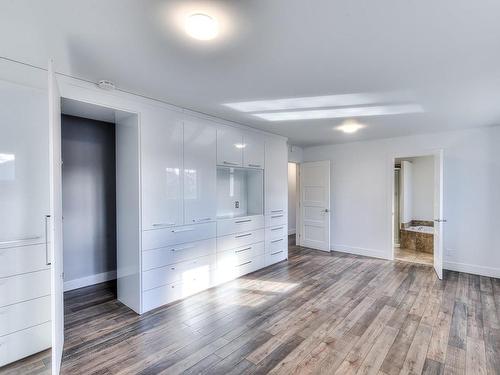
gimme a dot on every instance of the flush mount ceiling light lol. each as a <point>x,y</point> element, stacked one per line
<point>201,26</point>
<point>341,112</point>
<point>350,126</point>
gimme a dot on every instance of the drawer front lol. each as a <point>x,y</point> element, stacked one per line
<point>275,233</point>
<point>239,255</point>
<point>22,315</point>
<point>238,240</point>
<point>242,224</point>
<point>274,219</point>
<point>250,266</point>
<point>22,259</point>
<point>156,238</point>
<point>227,271</point>
<point>21,288</point>
<point>23,343</point>
<point>278,244</point>
<point>177,253</point>
<point>276,256</point>
<point>177,272</point>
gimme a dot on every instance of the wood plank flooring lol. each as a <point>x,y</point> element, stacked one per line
<point>317,313</point>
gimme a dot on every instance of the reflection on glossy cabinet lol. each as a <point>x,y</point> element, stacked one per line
<point>229,147</point>
<point>161,149</point>
<point>199,171</point>
<point>276,176</point>
<point>253,152</point>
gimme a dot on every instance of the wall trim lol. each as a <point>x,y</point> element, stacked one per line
<point>473,269</point>
<point>360,251</point>
<point>89,280</point>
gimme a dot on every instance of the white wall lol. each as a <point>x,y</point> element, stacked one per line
<point>295,154</point>
<point>292,197</point>
<point>406,191</point>
<point>423,188</point>
<point>362,175</point>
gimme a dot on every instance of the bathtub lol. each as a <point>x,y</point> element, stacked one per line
<point>421,229</point>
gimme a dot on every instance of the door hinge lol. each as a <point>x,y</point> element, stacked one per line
<point>62,275</point>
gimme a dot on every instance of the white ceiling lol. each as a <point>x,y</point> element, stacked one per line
<point>446,53</point>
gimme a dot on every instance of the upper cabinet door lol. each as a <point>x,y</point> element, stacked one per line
<point>200,146</point>
<point>229,147</point>
<point>276,176</point>
<point>161,164</point>
<point>253,152</point>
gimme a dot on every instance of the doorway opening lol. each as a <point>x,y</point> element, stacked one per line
<point>413,213</point>
<point>293,203</point>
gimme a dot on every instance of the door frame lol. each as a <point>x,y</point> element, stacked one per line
<point>390,178</point>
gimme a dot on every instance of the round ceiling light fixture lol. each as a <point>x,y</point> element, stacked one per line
<point>201,26</point>
<point>350,126</point>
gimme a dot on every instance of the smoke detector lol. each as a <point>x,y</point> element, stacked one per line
<point>104,84</point>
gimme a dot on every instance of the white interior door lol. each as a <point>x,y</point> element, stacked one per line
<point>315,205</point>
<point>56,237</point>
<point>438,213</point>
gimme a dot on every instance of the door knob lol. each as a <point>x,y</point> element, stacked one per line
<point>326,210</point>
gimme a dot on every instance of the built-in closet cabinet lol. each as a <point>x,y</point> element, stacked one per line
<point>276,176</point>
<point>200,145</point>
<point>229,147</point>
<point>162,163</point>
<point>253,151</point>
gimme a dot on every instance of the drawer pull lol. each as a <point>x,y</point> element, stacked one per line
<point>276,216</point>
<point>245,249</point>
<point>254,165</point>
<point>172,268</point>
<point>242,264</point>
<point>21,240</point>
<point>276,211</point>
<point>243,235</point>
<point>279,228</point>
<point>278,252</point>
<point>163,224</point>
<point>243,221</point>
<point>204,219</point>
<point>281,239</point>
<point>182,230</point>
<point>182,248</point>
<point>230,163</point>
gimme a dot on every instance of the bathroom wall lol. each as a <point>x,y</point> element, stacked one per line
<point>423,188</point>
<point>406,191</point>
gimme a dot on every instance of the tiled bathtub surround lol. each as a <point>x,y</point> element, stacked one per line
<point>415,240</point>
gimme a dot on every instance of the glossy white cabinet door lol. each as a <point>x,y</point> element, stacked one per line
<point>276,176</point>
<point>24,165</point>
<point>253,153</point>
<point>200,150</point>
<point>229,147</point>
<point>161,149</point>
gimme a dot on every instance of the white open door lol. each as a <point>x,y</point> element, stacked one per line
<point>438,213</point>
<point>56,237</point>
<point>315,205</point>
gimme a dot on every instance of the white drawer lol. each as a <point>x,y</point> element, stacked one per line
<point>278,218</point>
<point>227,271</point>
<point>177,272</point>
<point>250,265</point>
<point>162,295</point>
<point>23,315</point>
<point>23,343</point>
<point>22,259</point>
<point>238,240</point>
<point>276,256</point>
<point>275,233</point>
<point>238,225</point>
<point>21,288</point>
<point>276,245</point>
<point>177,253</point>
<point>156,238</point>
<point>239,255</point>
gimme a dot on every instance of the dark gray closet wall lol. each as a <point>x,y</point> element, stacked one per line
<point>89,197</point>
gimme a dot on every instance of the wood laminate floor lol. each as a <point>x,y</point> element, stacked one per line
<point>317,313</point>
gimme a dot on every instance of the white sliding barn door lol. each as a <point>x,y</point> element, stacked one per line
<point>438,213</point>
<point>315,205</point>
<point>56,237</point>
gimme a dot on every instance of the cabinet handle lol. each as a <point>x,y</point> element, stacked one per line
<point>163,224</point>
<point>21,240</point>
<point>277,252</point>
<point>182,248</point>
<point>242,264</point>
<point>281,239</point>
<point>273,229</point>
<point>276,211</point>
<point>243,235</point>
<point>276,216</point>
<point>182,230</point>
<point>254,165</point>
<point>229,163</point>
<point>47,257</point>
<point>243,221</point>
<point>242,250</point>
<point>172,268</point>
<point>204,219</point>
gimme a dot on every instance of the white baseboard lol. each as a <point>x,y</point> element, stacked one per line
<point>361,251</point>
<point>291,231</point>
<point>89,280</point>
<point>473,269</point>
